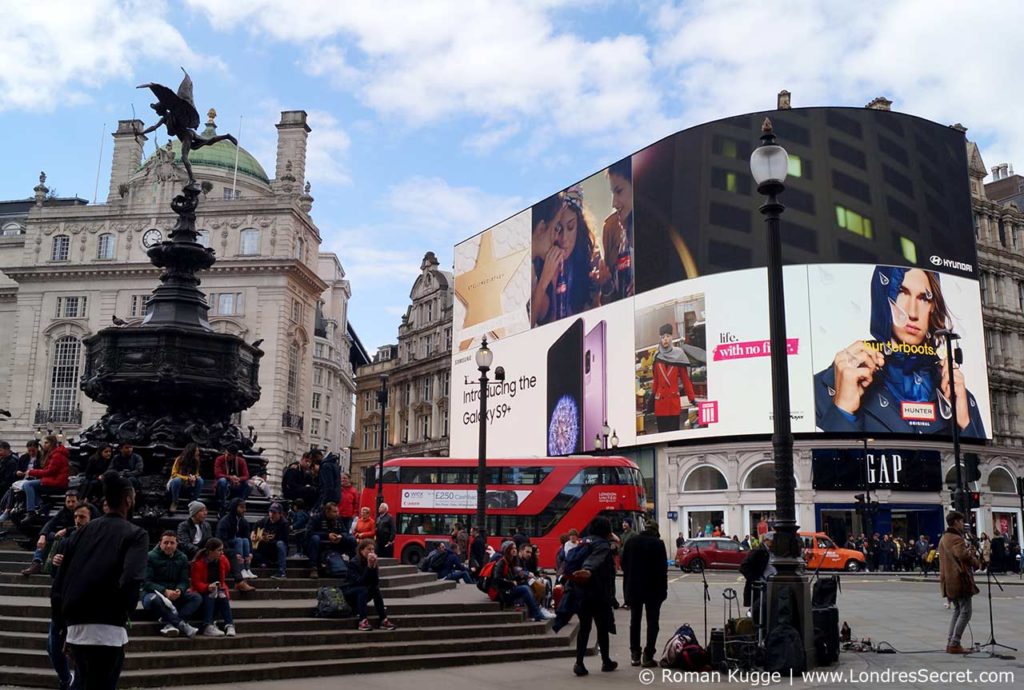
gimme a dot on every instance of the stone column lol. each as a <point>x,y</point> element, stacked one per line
<point>292,135</point>
<point>127,155</point>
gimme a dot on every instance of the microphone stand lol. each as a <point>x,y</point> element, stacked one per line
<point>707,594</point>
<point>991,643</point>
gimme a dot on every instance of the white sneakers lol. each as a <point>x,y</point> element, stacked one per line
<point>249,575</point>
<point>229,630</point>
<point>169,631</point>
<point>546,615</point>
<point>212,630</point>
<point>187,630</point>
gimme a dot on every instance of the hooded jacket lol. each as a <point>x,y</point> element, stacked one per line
<point>233,525</point>
<point>55,474</point>
<point>166,572</point>
<point>330,480</point>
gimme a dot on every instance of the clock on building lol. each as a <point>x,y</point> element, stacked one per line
<point>151,238</point>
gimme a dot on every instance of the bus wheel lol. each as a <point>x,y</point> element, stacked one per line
<point>412,554</point>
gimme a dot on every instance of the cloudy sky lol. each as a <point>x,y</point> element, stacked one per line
<point>434,120</point>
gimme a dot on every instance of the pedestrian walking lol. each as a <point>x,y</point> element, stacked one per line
<point>597,578</point>
<point>97,587</point>
<point>645,587</point>
<point>957,561</point>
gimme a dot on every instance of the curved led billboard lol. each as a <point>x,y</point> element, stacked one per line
<point>634,302</point>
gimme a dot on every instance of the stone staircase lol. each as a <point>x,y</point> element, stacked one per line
<point>277,637</point>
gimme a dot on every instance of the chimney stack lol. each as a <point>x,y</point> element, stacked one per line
<point>292,134</point>
<point>783,100</point>
<point>127,155</point>
<point>995,172</point>
<point>880,103</point>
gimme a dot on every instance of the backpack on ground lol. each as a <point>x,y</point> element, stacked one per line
<point>336,566</point>
<point>485,581</point>
<point>683,652</point>
<point>330,603</point>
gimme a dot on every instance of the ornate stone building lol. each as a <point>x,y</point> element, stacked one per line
<point>70,268</point>
<point>418,368</point>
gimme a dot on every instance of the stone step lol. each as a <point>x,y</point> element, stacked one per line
<point>265,589</point>
<point>247,609</point>
<point>144,630</point>
<point>43,678</point>
<point>247,639</point>
<point>277,657</point>
<point>300,581</point>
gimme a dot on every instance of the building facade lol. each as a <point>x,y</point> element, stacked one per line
<point>418,370</point>
<point>732,484</point>
<point>70,268</point>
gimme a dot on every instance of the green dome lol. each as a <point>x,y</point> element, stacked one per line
<point>221,155</point>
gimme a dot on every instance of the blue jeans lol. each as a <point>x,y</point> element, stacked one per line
<point>174,487</point>
<point>212,606</point>
<point>225,491</point>
<point>55,650</point>
<point>260,557</point>
<point>457,575</point>
<point>187,604</point>
<point>31,487</point>
<point>524,595</point>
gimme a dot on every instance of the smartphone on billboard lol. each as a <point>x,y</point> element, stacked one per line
<point>565,392</point>
<point>595,402</point>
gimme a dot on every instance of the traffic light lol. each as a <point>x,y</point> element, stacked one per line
<point>859,500</point>
<point>971,471</point>
<point>973,500</point>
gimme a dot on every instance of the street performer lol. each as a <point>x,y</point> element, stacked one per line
<point>957,561</point>
<point>670,368</point>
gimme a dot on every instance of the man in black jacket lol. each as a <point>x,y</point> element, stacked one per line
<point>97,587</point>
<point>271,541</point>
<point>298,482</point>
<point>194,532</point>
<point>327,534</point>
<point>597,578</point>
<point>644,586</point>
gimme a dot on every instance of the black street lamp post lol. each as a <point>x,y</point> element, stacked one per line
<point>769,164</point>
<point>960,493</point>
<point>382,400</point>
<point>484,357</point>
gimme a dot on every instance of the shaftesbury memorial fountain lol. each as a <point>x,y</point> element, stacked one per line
<point>172,380</point>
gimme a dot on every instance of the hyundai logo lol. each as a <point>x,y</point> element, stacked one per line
<point>936,260</point>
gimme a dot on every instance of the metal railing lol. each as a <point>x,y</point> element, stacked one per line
<point>57,416</point>
<point>292,421</point>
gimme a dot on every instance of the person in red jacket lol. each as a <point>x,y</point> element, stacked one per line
<point>208,572</point>
<point>670,369</point>
<point>52,475</point>
<point>232,476</point>
<point>348,506</point>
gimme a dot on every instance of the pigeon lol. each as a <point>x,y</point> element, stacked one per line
<point>117,321</point>
<point>258,343</point>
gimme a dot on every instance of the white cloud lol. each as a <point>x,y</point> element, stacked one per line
<point>56,52</point>
<point>447,212</point>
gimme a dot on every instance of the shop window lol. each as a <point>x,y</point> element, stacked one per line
<point>705,478</point>
<point>761,477</point>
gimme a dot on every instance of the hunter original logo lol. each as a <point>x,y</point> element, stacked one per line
<point>949,263</point>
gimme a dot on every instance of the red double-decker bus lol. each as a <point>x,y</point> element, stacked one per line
<point>541,497</point>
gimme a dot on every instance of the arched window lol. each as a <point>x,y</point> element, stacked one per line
<point>11,230</point>
<point>292,402</point>
<point>705,478</point>
<point>64,375</point>
<point>203,238</point>
<point>250,242</point>
<point>105,246</point>
<point>61,248</point>
<point>951,479</point>
<point>762,477</point>
<point>1000,481</point>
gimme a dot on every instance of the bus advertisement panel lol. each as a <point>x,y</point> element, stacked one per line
<point>637,298</point>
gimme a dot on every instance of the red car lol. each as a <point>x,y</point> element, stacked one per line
<point>710,552</point>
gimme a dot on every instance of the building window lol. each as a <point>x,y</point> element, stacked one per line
<point>250,245</point>
<point>229,303</point>
<point>1020,295</point>
<point>230,193</point>
<point>446,379</point>
<point>376,436</point>
<point>428,388</point>
<point>854,222</point>
<point>428,345</point>
<point>71,307</point>
<point>105,246</point>
<point>408,394</point>
<point>61,248</point>
<point>65,373</point>
<point>729,181</point>
<point>292,402</point>
<point>296,310</point>
<point>796,166</point>
<point>314,426</point>
<point>11,230</point>
<point>425,427</point>
<point>300,248</point>
<point>327,404</point>
<point>430,311</point>
<point>909,249</point>
<point>444,422</point>
<point>203,238</point>
<point>318,376</point>
<point>447,340</point>
<point>366,437</point>
<point>316,401</point>
<point>318,349</point>
<point>138,305</point>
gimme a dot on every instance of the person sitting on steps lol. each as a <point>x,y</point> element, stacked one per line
<point>363,584</point>
<point>165,592</point>
<point>209,572</point>
<point>236,534</point>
